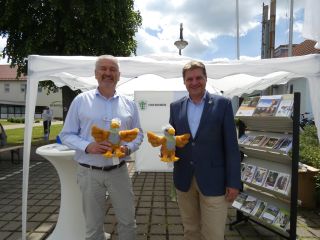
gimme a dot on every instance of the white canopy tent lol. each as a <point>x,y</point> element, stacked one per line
<point>234,78</point>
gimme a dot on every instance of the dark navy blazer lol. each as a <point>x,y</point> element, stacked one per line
<point>212,156</point>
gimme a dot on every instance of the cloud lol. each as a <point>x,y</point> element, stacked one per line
<point>204,22</point>
<point>3,43</point>
<point>209,26</point>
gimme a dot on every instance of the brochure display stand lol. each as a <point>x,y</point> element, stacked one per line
<point>269,142</point>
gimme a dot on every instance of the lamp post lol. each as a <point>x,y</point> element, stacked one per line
<point>181,43</point>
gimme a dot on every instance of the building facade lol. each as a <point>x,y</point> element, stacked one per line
<point>13,95</point>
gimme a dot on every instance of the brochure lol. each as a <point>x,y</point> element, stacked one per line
<point>286,106</point>
<point>248,106</point>
<point>267,105</point>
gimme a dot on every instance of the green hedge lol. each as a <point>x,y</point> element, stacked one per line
<point>310,152</point>
<point>16,120</point>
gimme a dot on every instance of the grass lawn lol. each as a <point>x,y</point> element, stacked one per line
<point>15,136</point>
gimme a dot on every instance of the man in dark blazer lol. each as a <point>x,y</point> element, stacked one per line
<point>207,176</point>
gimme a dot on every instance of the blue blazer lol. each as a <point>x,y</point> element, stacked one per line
<point>212,156</point>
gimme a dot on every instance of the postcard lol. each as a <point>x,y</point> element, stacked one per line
<point>270,213</point>
<point>285,107</point>
<point>271,180</point>
<point>243,168</point>
<point>271,142</point>
<point>283,219</point>
<point>237,203</point>
<point>249,204</point>
<point>259,208</point>
<point>242,138</point>
<point>248,140</point>
<point>249,173</point>
<point>286,145</point>
<point>282,183</point>
<point>260,176</point>
<point>258,140</point>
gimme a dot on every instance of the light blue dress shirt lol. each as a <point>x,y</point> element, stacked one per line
<point>194,112</point>
<point>91,108</point>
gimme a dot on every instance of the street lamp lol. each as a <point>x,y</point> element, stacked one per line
<point>181,43</point>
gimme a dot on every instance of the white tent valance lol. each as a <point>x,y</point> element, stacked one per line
<point>77,72</point>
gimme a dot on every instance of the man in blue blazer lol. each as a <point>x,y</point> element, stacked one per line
<point>207,176</point>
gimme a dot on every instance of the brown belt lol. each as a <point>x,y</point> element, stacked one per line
<point>107,168</point>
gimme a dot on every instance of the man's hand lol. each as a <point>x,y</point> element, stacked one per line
<point>98,148</point>
<point>125,150</point>
<point>231,194</point>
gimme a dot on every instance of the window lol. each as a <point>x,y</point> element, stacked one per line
<point>23,87</point>
<point>39,89</point>
<point>6,87</point>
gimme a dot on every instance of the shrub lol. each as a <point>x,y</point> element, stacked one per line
<point>310,152</point>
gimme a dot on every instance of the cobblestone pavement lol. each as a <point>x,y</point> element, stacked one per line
<point>157,214</point>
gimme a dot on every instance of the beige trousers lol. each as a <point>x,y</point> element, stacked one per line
<point>203,217</point>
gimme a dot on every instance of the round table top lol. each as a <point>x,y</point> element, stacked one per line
<point>55,149</point>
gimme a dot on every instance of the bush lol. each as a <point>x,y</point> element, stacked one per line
<point>310,152</point>
<point>16,120</point>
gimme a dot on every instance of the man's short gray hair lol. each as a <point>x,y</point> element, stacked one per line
<point>108,57</point>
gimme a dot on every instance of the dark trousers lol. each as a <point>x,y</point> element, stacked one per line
<point>46,127</point>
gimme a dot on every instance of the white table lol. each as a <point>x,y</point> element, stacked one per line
<point>71,222</point>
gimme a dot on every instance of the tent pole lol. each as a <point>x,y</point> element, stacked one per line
<point>290,30</point>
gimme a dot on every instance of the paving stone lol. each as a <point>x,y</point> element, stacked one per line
<point>144,204</point>
<point>175,237</point>
<point>174,220</point>
<point>157,237</point>
<point>4,235</point>
<point>142,219</point>
<point>36,236</point>
<point>175,229</point>
<point>158,229</point>
<point>315,231</point>
<point>49,209</point>
<point>45,227</point>
<point>142,228</point>
<point>143,211</point>
<point>11,226</point>
<point>304,232</point>
<point>158,219</point>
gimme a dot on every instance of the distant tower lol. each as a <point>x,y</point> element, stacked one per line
<point>181,43</point>
<point>268,30</point>
<point>272,30</point>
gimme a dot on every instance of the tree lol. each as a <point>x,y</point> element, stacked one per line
<point>67,27</point>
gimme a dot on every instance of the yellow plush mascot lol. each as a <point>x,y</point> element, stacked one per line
<point>168,143</point>
<point>114,136</point>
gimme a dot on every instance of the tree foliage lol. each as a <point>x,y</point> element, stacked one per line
<point>67,27</point>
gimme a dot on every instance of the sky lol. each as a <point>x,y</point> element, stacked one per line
<point>209,26</point>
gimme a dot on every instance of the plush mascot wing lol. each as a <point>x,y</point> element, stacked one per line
<point>99,134</point>
<point>128,135</point>
<point>155,140</point>
<point>182,140</point>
